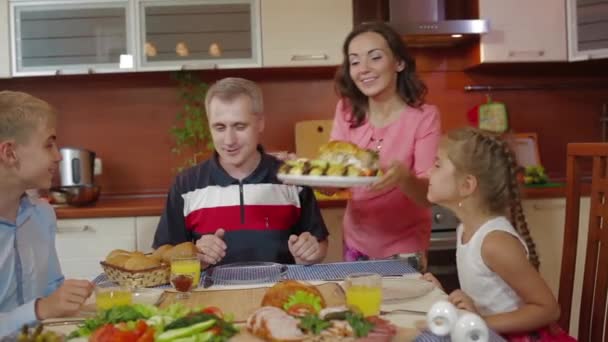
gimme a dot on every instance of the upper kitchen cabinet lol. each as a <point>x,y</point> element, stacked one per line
<point>304,33</point>
<point>70,37</point>
<point>198,34</point>
<point>524,31</point>
<point>588,29</point>
<point>5,65</point>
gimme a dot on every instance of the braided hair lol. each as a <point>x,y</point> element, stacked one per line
<point>490,159</point>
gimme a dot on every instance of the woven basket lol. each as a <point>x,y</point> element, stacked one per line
<point>155,276</point>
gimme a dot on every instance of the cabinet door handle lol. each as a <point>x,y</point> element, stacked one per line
<point>81,229</point>
<point>199,66</point>
<point>319,57</point>
<point>526,53</point>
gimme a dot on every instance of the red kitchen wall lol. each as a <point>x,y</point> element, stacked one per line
<point>126,118</point>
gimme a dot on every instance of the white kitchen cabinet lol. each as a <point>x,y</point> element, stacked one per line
<point>70,37</point>
<point>5,57</point>
<point>546,219</point>
<point>198,34</point>
<point>304,33</point>
<point>145,228</point>
<point>82,243</point>
<point>587,29</point>
<point>524,31</point>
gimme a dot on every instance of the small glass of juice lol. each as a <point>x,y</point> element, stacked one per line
<point>185,275</point>
<point>364,293</point>
<point>109,296</point>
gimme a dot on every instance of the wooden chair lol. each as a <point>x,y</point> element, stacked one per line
<point>592,319</point>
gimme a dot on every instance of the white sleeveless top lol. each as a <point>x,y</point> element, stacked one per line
<point>489,292</point>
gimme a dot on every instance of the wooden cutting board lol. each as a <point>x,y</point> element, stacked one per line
<point>310,135</point>
<point>243,302</point>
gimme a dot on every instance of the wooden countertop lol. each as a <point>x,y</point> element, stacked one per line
<point>153,206</point>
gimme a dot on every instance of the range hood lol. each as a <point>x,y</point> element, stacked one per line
<point>428,23</point>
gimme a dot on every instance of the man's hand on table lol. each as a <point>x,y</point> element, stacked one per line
<point>211,248</point>
<point>305,248</point>
<point>65,301</point>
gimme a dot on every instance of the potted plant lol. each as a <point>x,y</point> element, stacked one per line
<point>191,132</point>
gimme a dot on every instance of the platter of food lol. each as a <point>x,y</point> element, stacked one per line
<point>340,164</point>
<point>287,311</point>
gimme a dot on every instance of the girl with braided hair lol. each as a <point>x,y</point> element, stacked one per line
<point>475,175</point>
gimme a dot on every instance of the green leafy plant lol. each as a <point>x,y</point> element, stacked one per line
<point>191,131</point>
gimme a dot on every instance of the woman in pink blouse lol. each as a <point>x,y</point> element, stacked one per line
<point>382,108</point>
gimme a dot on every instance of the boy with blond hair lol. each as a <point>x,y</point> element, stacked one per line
<point>32,287</point>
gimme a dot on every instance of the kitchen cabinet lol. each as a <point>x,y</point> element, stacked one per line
<point>333,221</point>
<point>304,33</point>
<point>546,219</point>
<point>145,228</point>
<point>82,243</point>
<point>70,37</point>
<point>5,69</point>
<point>587,29</point>
<point>198,34</point>
<point>524,31</point>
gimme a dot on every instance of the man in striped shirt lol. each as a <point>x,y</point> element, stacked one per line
<point>233,205</point>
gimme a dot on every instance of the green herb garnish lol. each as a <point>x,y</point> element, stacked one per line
<point>314,324</point>
<point>361,326</point>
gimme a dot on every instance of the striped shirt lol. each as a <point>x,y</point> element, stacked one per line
<point>258,213</point>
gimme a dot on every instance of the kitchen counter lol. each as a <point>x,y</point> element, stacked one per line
<point>136,206</point>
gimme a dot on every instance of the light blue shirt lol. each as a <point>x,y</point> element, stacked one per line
<point>29,267</point>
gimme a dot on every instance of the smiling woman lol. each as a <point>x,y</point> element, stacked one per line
<point>382,108</point>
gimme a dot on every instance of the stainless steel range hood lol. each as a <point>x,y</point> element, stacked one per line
<point>425,23</point>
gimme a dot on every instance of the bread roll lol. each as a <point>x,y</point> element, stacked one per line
<point>279,294</point>
<point>140,262</point>
<point>117,252</point>
<point>183,250</point>
<point>158,253</point>
<point>118,259</point>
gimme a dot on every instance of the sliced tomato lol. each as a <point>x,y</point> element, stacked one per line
<point>148,335</point>
<point>103,333</point>
<point>216,330</point>
<point>140,327</point>
<point>301,309</point>
<point>214,310</point>
<point>124,336</point>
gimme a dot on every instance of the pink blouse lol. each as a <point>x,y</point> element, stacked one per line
<point>384,223</point>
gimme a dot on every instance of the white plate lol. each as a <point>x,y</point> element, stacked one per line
<point>396,289</point>
<point>326,181</point>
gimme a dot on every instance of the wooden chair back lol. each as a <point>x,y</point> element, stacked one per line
<point>592,319</point>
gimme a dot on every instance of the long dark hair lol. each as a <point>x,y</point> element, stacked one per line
<point>409,87</point>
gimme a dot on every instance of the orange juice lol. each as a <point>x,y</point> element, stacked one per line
<point>189,266</point>
<point>106,298</point>
<point>366,299</point>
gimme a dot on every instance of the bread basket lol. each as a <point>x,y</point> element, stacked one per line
<point>154,276</point>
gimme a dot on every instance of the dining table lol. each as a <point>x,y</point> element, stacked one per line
<point>408,315</point>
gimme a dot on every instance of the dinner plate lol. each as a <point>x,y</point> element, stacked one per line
<point>326,181</point>
<point>397,289</point>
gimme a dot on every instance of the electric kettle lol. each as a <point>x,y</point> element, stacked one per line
<point>76,167</point>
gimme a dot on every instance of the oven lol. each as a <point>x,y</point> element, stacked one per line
<point>442,249</point>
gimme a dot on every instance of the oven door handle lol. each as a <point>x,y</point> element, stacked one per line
<point>441,242</point>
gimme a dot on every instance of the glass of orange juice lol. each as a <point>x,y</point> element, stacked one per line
<point>364,293</point>
<point>185,275</point>
<point>109,295</point>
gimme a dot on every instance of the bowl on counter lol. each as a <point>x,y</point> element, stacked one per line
<point>75,195</point>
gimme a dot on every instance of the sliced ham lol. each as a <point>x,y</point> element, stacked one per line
<point>274,324</point>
